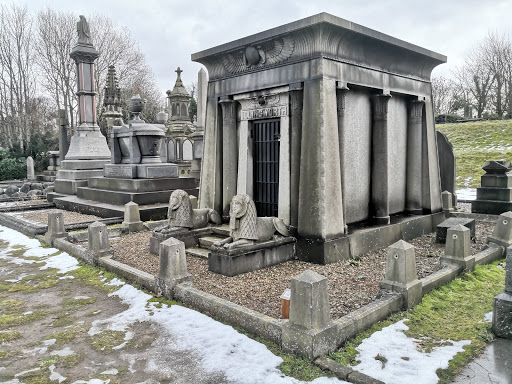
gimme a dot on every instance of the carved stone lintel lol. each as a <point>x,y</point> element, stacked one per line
<point>380,106</point>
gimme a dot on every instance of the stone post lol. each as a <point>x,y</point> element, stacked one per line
<point>31,174</point>
<point>380,182</point>
<point>63,134</point>
<point>502,233</point>
<point>502,306</point>
<point>296,109</point>
<point>447,199</point>
<point>458,248</point>
<point>98,243</point>
<point>132,222</point>
<point>310,329</point>
<point>413,199</point>
<point>55,227</point>
<point>229,153</point>
<point>173,266</point>
<point>401,275</point>
<point>341,93</point>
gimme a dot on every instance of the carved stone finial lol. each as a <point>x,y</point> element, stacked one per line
<point>84,33</point>
<point>178,71</point>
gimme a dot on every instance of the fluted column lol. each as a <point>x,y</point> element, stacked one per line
<point>413,200</point>
<point>380,165</point>
<point>229,153</point>
<point>296,107</point>
<point>341,93</point>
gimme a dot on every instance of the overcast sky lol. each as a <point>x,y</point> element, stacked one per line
<point>169,31</point>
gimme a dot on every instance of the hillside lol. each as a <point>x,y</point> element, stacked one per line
<point>474,144</point>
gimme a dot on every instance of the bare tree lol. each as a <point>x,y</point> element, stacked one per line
<point>442,94</point>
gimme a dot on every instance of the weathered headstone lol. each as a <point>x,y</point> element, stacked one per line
<point>173,266</point>
<point>309,330</point>
<point>55,227</point>
<point>401,275</point>
<point>447,163</point>
<point>31,174</point>
<point>458,248</point>
<point>502,308</point>
<point>132,221</point>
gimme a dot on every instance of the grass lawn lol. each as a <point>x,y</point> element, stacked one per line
<point>455,312</point>
<point>474,144</point>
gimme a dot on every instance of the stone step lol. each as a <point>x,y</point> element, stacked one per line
<point>208,241</point>
<point>198,252</point>
<point>222,230</point>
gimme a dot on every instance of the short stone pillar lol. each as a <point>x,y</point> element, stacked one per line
<point>132,222</point>
<point>458,248</point>
<point>502,306</point>
<point>447,198</point>
<point>31,174</point>
<point>310,330</point>
<point>98,242</point>
<point>502,234</point>
<point>55,227</point>
<point>173,266</point>
<point>401,275</point>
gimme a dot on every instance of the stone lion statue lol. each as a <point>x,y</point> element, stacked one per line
<point>181,216</point>
<point>245,227</point>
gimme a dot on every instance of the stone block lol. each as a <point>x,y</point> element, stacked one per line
<point>173,266</point>
<point>502,315</point>
<point>309,343</point>
<point>458,248</point>
<point>490,207</point>
<point>98,242</point>
<point>25,188</point>
<point>132,221</point>
<point>83,164</point>
<point>55,227</point>
<point>68,187</point>
<point>502,233</point>
<point>442,228</point>
<point>496,180</point>
<point>492,193</point>
<point>401,275</point>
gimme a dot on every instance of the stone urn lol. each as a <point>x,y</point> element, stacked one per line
<point>136,105</point>
<point>161,117</point>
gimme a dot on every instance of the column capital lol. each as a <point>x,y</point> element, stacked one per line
<point>380,105</point>
<point>228,109</point>
<point>416,109</point>
<point>341,93</point>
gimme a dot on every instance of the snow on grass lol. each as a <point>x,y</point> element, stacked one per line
<point>62,261</point>
<point>389,355</point>
<point>63,352</point>
<point>488,317</point>
<point>466,194</point>
<point>220,348</point>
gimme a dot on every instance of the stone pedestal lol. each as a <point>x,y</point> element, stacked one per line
<point>401,276</point>
<point>495,194</point>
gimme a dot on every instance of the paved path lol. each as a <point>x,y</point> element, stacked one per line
<point>494,366</point>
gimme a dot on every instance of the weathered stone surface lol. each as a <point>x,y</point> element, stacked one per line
<point>55,227</point>
<point>447,162</point>
<point>98,242</point>
<point>508,275</point>
<point>502,233</point>
<point>31,175</point>
<point>18,195</point>
<point>25,188</point>
<point>502,315</point>
<point>442,228</point>
<point>11,189</point>
<point>401,275</point>
<point>173,266</point>
<point>447,198</point>
<point>458,248</point>
<point>132,220</point>
<point>38,186</point>
<point>35,192</point>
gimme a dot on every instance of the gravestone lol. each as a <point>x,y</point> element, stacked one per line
<point>447,163</point>
<point>494,196</point>
<point>502,308</point>
<point>31,174</point>
<point>88,150</point>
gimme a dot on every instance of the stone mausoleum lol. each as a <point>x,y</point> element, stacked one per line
<point>325,124</point>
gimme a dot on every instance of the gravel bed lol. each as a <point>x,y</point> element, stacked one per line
<point>41,216</point>
<point>352,283</point>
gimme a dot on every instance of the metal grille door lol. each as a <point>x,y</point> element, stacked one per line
<point>265,138</point>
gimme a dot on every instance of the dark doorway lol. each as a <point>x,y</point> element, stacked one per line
<point>265,137</point>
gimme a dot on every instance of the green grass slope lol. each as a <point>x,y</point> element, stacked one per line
<point>474,144</point>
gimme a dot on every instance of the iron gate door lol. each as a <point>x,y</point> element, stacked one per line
<point>265,137</point>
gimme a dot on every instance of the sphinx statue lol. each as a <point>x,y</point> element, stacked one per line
<point>246,228</point>
<point>181,216</point>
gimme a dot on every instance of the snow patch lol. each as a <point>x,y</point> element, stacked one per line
<point>111,371</point>
<point>62,262</point>
<point>405,364</point>
<point>488,317</point>
<point>55,375</point>
<point>63,352</point>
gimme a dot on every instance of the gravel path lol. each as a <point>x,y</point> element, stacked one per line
<point>41,216</point>
<point>352,283</point>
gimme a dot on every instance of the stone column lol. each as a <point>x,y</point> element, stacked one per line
<point>198,135</point>
<point>380,190</point>
<point>320,200</point>
<point>229,153</point>
<point>296,107</point>
<point>413,199</point>
<point>341,92</point>
<point>63,134</point>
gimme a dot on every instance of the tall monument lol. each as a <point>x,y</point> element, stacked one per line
<point>88,150</point>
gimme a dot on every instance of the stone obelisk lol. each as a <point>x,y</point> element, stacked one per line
<point>88,149</point>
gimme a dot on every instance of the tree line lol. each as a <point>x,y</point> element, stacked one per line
<point>482,86</point>
<point>37,76</point>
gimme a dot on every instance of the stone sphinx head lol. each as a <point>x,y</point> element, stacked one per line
<point>180,210</point>
<point>243,218</point>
